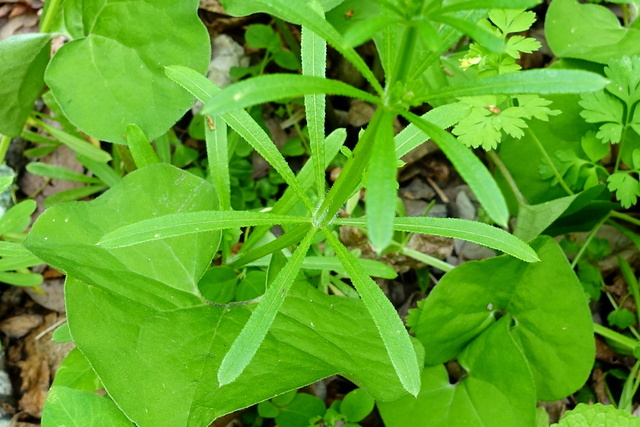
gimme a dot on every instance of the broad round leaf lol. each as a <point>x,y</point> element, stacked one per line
<point>546,300</point>
<point>114,75</point>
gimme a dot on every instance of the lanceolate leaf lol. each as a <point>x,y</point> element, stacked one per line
<point>470,168</point>
<point>215,131</point>
<point>489,4</point>
<point>273,87</point>
<point>179,224</point>
<point>396,340</point>
<point>140,148</point>
<point>382,186</point>
<point>242,122</point>
<point>314,63</point>
<point>303,14</point>
<point>248,341</point>
<point>456,228</point>
<point>531,81</point>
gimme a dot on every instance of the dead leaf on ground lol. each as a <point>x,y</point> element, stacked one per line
<point>19,326</point>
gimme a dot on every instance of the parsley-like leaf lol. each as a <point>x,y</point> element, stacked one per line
<point>519,44</point>
<point>626,187</point>
<point>603,107</point>
<point>625,78</point>
<point>486,121</point>
<point>512,20</point>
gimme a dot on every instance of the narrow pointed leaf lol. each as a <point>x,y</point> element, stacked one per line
<point>302,13</point>
<point>392,330</point>
<point>215,132</point>
<point>542,82</point>
<point>141,150</point>
<point>78,145</point>
<point>242,122</point>
<point>382,186</point>
<point>456,228</point>
<point>477,33</point>
<point>59,172</point>
<point>314,63</point>
<point>489,4</point>
<point>273,87</point>
<point>190,223</point>
<point>470,168</point>
<point>248,341</point>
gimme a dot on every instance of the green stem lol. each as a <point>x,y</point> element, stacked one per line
<point>552,166</point>
<point>52,9</point>
<point>586,243</point>
<point>351,174</point>
<point>618,338</point>
<point>495,158</point>
<point>424,258</point>
<point>624,217</point>
<point>5,141</point>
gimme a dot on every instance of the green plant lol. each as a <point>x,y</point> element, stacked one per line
<point>168,349</point>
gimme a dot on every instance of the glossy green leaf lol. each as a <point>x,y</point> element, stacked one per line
<point>204,89</point>
<point>469,167</point>
<point>314,63</point>
<point>382,186</point>
<point>78,408</point>
<point>390,327</point>
<point>540,82</point>
<point>497,388</point>
<point>274,87</point>
<point>17,218</point>
<point>534,219</point>
<point>456,228</point>
<point>140,148</point>
<point>75,372</point>
<point>553,324</point>
<point>246,345</point>
<point>23,59</point>
<point>168,226</point>
<point>165,342</point>
<point>569,28</point>
<point>118,60</point>
<point>356,405</point>
<point>305,15</point>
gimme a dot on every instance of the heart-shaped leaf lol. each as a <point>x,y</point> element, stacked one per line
<point>484,396</point>
<point>156,345</point>
<point>112,74</point>
<point>546,300</point>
